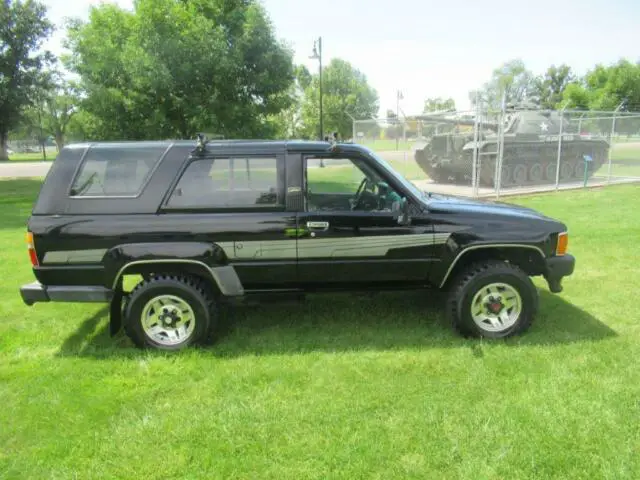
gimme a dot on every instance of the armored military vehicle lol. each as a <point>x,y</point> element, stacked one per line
<point>530,149</point>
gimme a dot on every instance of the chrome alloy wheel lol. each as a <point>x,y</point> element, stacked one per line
<point>168,320</point>
<point>496,307</point>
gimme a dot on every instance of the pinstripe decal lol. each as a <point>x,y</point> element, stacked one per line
<point>261,249</point>
<point>288,248</point>
<point>359,246</point>
<point>375,246</point>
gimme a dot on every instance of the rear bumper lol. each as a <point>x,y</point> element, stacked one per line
<point>557,269</point>
<point>36,292</point>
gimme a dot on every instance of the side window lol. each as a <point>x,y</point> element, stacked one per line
<point>332,175</point>
<point>112,171</point>
<point>344,184</point>
<point>235,182</point>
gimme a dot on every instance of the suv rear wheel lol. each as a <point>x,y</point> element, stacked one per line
<point>492,299</point>
<point>169,312</point>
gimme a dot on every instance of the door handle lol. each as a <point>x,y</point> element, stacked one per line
<point>318,226</point>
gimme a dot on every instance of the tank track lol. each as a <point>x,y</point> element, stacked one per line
<point>526,172</point>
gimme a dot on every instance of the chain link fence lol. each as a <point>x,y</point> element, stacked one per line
<point>491,153</point>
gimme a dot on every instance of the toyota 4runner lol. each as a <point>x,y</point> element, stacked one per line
<point>201,224</point>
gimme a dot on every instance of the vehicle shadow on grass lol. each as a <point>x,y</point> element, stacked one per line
<point>343,323</point>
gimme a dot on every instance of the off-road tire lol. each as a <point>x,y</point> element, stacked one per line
<point>190,290</point>
<point>465,286</point>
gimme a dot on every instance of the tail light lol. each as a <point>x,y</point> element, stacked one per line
<point>563,243</point>
<point>32,250</point>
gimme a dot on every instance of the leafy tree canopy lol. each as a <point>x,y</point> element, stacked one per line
<point>23,29</point>
<point>173,68</point>
<point>346,94</point>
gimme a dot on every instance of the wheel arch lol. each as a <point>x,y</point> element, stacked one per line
<point>222,277</point>
<point>529,258</point>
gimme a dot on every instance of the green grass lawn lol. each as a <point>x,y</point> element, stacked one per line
<point>339,386</point>
<point>32,157</point>
<point>626,152</point>
<point>385,144</point>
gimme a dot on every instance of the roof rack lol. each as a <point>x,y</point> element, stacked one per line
<point>202,140</point>
<point>333,141</point>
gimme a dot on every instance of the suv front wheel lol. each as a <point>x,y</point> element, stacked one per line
<point>492,299</point>
<point>169,312</point>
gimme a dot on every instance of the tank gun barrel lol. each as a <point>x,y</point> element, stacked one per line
<point>434,118</point>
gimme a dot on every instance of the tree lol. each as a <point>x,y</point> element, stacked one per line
<point>23,29</point>
<point>550,87</point>
<point>576,96</point>
<point>438,104</point>
<point>511,79</point>
<point>52,110</point>
<point>171,68</point>
<point>303,77</point>
<point>288,122</point>
<point>345,92</point>
<point>608,88</point>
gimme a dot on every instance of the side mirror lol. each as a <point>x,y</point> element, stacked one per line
<point>400,211</point>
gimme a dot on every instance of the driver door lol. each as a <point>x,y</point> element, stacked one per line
<point>344,243</point>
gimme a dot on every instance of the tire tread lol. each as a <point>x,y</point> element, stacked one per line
<point>464,278</point>
<point>194,283</point>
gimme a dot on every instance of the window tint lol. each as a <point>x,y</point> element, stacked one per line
<point>332,175</point>
<point>115,171</point>
<point>344,184</point>
<point>228,182</point>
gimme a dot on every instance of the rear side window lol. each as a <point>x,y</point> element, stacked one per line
<point>236,182</point>
<point>116,171</point>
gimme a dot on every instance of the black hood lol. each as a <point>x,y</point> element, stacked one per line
<point>455,204</point>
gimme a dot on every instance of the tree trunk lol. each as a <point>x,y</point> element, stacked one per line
<point>59,141</point>
<point>4,156</point>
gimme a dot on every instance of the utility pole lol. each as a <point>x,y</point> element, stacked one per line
<point>317,55</point>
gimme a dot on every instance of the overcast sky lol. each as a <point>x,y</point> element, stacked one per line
<point>432,48</point>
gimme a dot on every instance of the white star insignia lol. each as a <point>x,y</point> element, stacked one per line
<point>544,127</point>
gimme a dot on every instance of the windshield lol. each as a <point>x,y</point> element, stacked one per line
<point>397,175</point>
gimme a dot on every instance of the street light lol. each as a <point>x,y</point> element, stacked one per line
<point>317,55</point>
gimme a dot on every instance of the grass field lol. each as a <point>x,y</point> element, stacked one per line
<point>33,157</point>
<point>337,387</point>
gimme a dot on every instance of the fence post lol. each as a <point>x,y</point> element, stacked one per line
<point>475,174</point>
<point>613,132</point>
<point>498,172</point>
<point>559,158</point>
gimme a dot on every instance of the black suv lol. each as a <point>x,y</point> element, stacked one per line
<point>200,224</point>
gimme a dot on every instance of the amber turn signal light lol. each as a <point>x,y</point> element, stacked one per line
<point>32,250</point>
<point>563,243</point>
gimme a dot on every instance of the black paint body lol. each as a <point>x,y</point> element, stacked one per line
<point>137,233</point>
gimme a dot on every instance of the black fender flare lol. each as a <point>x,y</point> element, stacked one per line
<point>208,260</point>
<point>460,254</point>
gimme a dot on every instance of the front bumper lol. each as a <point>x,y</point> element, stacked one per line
<point>36,292</point>
<point>556,269</point>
